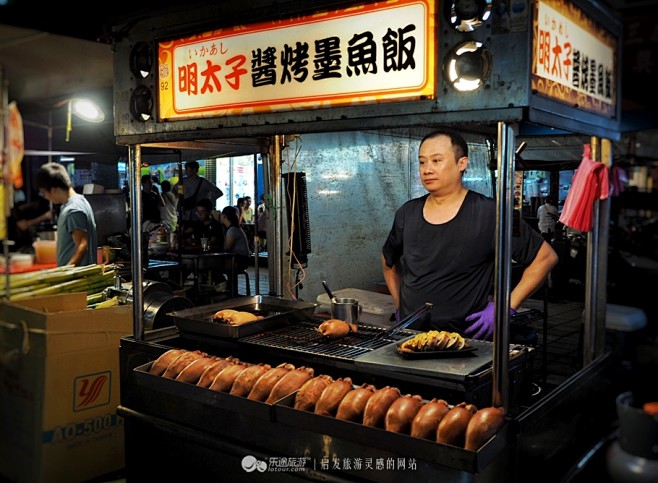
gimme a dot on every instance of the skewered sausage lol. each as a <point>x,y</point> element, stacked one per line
<point>226,377</point>
<point>354,403</point>
<point>335,329</point>
<point>215,368</point>
<point>426,422</point>
<point>289,383</point>
<point>161,363</point>
<point>181,362</point>
<point>247,378</point>
<point>452,428</point>
<point>482,426</point>
<point>194,369</point>
<point>333,394</point>
<point>310,392</point>
<point>375,411</point>
<point>402,412</point>
<point>266,382</point>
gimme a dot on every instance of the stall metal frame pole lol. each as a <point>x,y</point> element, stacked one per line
<point>596,266</point>
<point>275,220</point>
<point>503,264</point>
<point>134,165</point>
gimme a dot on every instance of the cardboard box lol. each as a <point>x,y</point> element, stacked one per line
<point>59,389</point>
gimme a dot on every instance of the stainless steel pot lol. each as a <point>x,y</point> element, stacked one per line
<point>47,231</point>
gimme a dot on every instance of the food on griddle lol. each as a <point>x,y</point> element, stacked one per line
<point>452,428</point>
<point>161,363</point>
<point>426,422</point>
<point>235,317</point>
<point>482,426</point>
<point>215,368</point>
<point>310,392</point>
<point>378,405</point>
<point>401,413</point>
<point>354,403</point>
<point>247,378</point>
<point>266,382</point>
<point>435,340</point>
<point>194,369</point>
<point>290,382</point>
<point>226,377</point>
<point>181,362</point>
<point>335,329</point>
<point>333,394</point>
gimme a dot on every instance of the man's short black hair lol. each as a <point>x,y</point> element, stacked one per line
<point>205,203</point>
<point>192,165</point>
<point>53,175</point>
<point>459,146</point>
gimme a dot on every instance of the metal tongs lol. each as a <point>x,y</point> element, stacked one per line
<point>404,323</point>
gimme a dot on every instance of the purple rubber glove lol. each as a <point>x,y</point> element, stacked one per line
<point>483,322</point>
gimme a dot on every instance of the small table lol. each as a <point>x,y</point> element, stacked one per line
<point>211,260</point>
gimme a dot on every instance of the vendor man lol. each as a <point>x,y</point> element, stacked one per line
<point>441,248</point>
<point>76,226</point>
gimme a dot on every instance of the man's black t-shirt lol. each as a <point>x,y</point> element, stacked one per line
<point>450,265</point>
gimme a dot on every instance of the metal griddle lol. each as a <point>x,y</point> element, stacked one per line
<point>386,359</point>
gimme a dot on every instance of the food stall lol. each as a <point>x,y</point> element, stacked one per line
<point>267,76</point>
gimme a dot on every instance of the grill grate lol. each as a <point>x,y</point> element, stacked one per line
<point>302,337</point>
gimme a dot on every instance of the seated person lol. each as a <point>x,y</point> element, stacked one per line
<point>261,227</point>
<point>204,227</point>
<point>235,239</point>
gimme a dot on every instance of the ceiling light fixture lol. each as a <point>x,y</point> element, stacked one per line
<point>85,109</point>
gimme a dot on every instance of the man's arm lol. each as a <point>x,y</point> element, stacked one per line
<point>534,275</point>
<point>392,279</point>
<point>81,240</point>
<point>25,224</point>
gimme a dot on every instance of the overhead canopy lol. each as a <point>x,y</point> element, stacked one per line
<point>185,95</point>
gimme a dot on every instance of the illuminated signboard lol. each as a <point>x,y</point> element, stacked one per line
<point>377,52</point>
<point>574,60</point>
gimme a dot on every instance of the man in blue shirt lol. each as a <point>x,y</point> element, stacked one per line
<point>76,226</point>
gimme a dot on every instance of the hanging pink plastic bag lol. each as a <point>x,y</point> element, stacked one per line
<point>589,183</point>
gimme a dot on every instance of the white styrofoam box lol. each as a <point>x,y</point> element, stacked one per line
<point>93,189</point>
<point>376,308</point>
<point>624,318</point>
